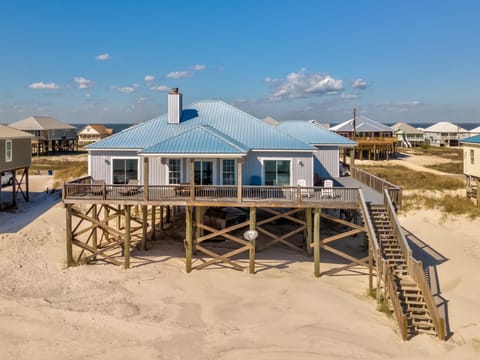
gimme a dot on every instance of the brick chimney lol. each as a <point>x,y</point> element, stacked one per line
<point>174,106</point>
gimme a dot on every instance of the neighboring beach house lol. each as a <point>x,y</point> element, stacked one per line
<point>475,131</point>
<point>15,159</point>
<point>49,134</point>
<point>214,143</point>
<point>375,141</point>
<point>444,133</point>
<point>407,135</point>
<point>92,133</point>
<point>471,166</point>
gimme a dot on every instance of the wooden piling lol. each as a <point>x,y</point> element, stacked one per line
<point>144,227</point>
<point>94,230</point>
<point>316,241</point>
<point>252,226</point>
<point>126,245</point>
<point>308,226</point>
<point>162,210</point>
<point>154,222</point>
<point>188,238</point>
<point>68,229</point>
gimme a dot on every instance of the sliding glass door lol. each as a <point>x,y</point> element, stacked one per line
<point>124,170</point>
<point>203,172</point>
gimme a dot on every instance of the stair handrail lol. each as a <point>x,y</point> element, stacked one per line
<point>415,268</point>
<point>383,269</point>
<point>368,222</point>
<point>374,253</point>
<point>393,292</point>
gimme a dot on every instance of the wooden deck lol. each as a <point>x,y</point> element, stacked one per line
<point>84,191</point>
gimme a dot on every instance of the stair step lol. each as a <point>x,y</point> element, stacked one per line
<point>421,317</point>
<point>422,323</point>
<point>412,302</point>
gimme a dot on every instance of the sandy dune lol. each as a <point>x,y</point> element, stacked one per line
<point>157,311</point>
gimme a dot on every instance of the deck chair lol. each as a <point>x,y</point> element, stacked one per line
<point>327,191</point>
<point>305,193</point>
<point>130,189</point>
<point>98,187</point>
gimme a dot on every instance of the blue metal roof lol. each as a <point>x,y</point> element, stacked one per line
<point>234,123</point>
<point>202,139</point>
<point>312,133</point>
<point>471,140</point>
<point>363,123</point>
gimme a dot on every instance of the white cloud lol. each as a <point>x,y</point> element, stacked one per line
<point>83,83</point>
<point>42,85</point>
<point>186,73</point>
<point>349,96</point>
<point>411,103</point>
<point>149,78</point>
<point>124,89</point>
<point>199,67</point>
<point>103,57</point>
<point>302,85</point>
<point>159,88</point>
<point>359,84</point>
<point>179,74</point>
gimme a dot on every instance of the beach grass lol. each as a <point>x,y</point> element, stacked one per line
<point>447,204</point>
<point>442,152</point>
<point>63,169</point>
<point>453,167</point>
<point>413,180</point>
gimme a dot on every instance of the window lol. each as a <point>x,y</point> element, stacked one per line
<point>203,172</point>
<point>472,157</point>
<point>124,170</point>
<point>228,172</point>
<point>8,151</point>
<point>174,171</point>
<point>277,172</point>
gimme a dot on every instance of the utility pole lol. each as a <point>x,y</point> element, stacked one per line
<point>354,122</point>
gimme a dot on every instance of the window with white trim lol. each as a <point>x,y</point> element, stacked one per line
<point>124,170</point>
<point>472,157</point>
<point>174,171</point>
<point>203,172</point>
<point>276,172</point>
<point>228,172</point>
<point>8,151</point>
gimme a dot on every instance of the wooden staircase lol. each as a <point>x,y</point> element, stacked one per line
<point>419,319</point>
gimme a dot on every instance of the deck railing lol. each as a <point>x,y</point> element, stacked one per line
<point>415,269</point>
<point>378,184</point>
<point>86,189</point>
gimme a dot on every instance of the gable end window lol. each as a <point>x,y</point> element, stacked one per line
<point>8,151</point>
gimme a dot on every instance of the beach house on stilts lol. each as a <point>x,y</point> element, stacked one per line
<point>15,160</point>
<point>471,166</point>
<point>210,157</point>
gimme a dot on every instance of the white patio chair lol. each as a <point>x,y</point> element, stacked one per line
<point>327,191</point>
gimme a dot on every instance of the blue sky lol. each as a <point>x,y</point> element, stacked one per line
<point>114,61</point>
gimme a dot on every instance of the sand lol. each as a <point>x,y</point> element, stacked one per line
<point>157,311</point>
